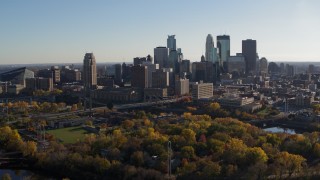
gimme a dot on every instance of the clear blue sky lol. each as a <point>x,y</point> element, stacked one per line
<point>43,31</point>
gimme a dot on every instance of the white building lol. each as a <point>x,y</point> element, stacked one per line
<point>182,87</point>
<point>202,90</point>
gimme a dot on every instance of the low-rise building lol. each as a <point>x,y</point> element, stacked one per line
<point>120,95</point>
<point>155,94</point>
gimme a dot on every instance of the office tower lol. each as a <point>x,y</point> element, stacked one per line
<point>203,71</point>
<point>161,56</point>
<point>282,68</point>
<point>151,68</point>
<point>249,51</point>
<point>53,73</point>
<point>223,44</point>
<point>290,69</point>
<point>149,59</point>
<point>118,74</point>
<point>236,64</point>
<point>185,68</point>
<point>139,60</point>
<point>171,42</point>
<point>311,68</point>
<point>139,76</point>
<point>89,71</point>
<point>263,66</point>
<point>171,76</point>
<point>180,55</point>
<point>273,68</point>
<point>174,61</point>
<point>209,48</point>
<point>39,83</point>
<point>182,86</point>
<point>160,79</point>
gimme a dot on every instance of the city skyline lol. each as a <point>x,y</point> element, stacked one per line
<point>61,32</point>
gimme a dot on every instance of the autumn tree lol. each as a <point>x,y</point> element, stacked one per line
<point>288,163</point>
<point>187,152</point>
<point>29,148</point>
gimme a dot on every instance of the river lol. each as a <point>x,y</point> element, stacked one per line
<point>280,130</point>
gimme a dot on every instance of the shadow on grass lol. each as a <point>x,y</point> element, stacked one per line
<point>79,129</point>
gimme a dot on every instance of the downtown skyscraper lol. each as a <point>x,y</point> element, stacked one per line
<point>249,51</point>
<point>171,43</point>
<point>223,44</point>
<point>89,71</point>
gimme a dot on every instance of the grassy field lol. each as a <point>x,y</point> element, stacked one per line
<point>69,135</point>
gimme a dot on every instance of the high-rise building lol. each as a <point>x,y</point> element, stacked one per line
<point>118,73</point>
<point>182,86</point>
<point>209,48</point>
<point>39,83</point>
<point>161,56</point>
<point>139,76</point>
<point>171,42</point>
<point>223,44</point>
<point>249,51</point>
<point>160,79</point>
<point>139,60</point>
<point>282,68</point>
<point>151,68</point>
<point>203,71</point>
<point>149,58</point>
<point>89,71</point>
<point>236,64</point>
<point>185,68</point>
<point>54,73</point>
<point>263,66</point>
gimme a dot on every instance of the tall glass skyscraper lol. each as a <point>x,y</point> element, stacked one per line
<point>223,44</point>
<point>171,43</point>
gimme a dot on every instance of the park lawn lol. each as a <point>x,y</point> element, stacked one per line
<point>69,135</point>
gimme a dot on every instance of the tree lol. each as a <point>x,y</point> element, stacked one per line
<point>187,152</point>
<point>235,151</point>
<point>291,163</point>
<point>127,124</point>
<point>189,135</point>
<point>74,107</point>
<point>213,107</point>
<point>255,155</point>
<point>29,148</point>
<point>137,158</point>
<point>316,150</point>
<point>211,170</point>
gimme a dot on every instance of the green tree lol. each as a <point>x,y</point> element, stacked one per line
<point>255,155</point>
<point>187,152</point>
<point>211,170</point>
